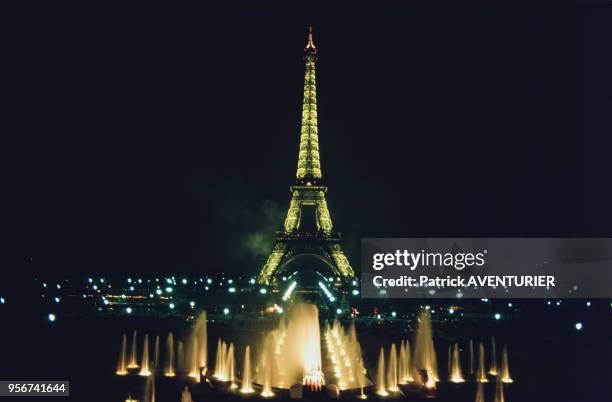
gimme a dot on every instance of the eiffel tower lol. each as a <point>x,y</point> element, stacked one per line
<point>308,230</point>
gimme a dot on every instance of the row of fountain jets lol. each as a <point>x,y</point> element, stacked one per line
<point>291,354</point>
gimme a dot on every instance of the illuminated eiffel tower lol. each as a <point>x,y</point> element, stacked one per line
<point>308,230</point>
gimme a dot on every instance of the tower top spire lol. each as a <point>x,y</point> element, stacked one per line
<point>310,44</point>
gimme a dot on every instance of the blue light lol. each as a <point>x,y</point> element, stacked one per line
<point>232,290</point>
<point>57,299</point>
<point>90,280</point>
<point>171,305</point>
<point>263,291</point>
<point>497,316</point>
<point>129,280</point>
<point>168,289</point>
<point>128,310</point>
<point>355,292</point>
<point>226,311</point>
<point>451,311</point>
<point>339,311</point>
<point>209,281</point>
<point>158,291</point>
<point>2,301</point>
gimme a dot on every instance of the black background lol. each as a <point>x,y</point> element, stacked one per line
<point>163,138</point>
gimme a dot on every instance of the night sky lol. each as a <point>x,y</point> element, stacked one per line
<point>164,138</point>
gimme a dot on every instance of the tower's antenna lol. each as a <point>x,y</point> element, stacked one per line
<point>310,44</point>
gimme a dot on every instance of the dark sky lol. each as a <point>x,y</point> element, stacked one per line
<point>164,138</point>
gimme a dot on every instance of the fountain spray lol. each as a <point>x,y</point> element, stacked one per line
<point>392,373</point>
<point>121,365</point>
<point>133,353</point>
<point>493,369</point>
<point>144,369</point>
<point>247,383</point>
<point>481,375</point>
<point>505,373</point>
<point>381,389</point>
<point>169,370</point>
<point>456,375</point>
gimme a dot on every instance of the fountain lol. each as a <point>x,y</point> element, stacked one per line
<point>230,367</point>
<point>247,383</point>
<point>201,335</point>
<point>392,373</point>
<point>472,365</point>
<point>181,364</point>
<point>149,392</point>
<point>156,354</point>
<point>267,364</point>
<point>193,360</point>
<point>169,370</point>
<point>381,389</point>
<point>144,368</point>
<point>456,375</point>
<point>133,353</point>
<point>344,352</point>
<point>220,363</point>
<point>122,364</point>
<point>481,375</point>
<point>480,393</point>
<point>499,391</point>
<point>405,371</point>
<point>186,395</point>
<point>505,372</point>
<point>493,368</point>
<point>291,353</point>
<point>425,361</point>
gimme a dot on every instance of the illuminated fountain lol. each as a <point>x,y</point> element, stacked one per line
<point>505,371</point>
<point>122,364</point>
<point>304,331</point>
<point>344,353</point>
<point>181,364</point>
<point>493,368</point>
<point>169,369</point>
<point>193,359</point>
<point>220,362</point>
<point>156,353</point>
<point>425,363</point>
<point>247,382</point>
<point>405,371</point>
<point>480,393</point>
<point>472,365</point>
<point>201,334</point>
<point>481,375</point>
<point>392,371</point>
<point>144,367</point>
<point>133,353</point>
<point>499,391</point>
<point>291,353</point>
<point>381,389</point>
<point>230,367</point>
<point>456,375</point>
<point>267,364</point>
<point>149,392</point>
